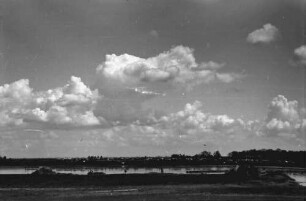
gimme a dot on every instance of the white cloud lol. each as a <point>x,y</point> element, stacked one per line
<point>211,65</point>
<point>177,66</point>
<point>71,105</point>
<point>284,117</point>
<point>283,109</point>
<point>301,53</point>
<point>267,34</point>
<point>279,125</point>
<point>75,105</point>
<point>185,129</point>
<point>284,126</point>
<point>193,118</point>
<point>144,91</point>
<point>190,127</point>
<point>17,90</point>
<point>12,97</point>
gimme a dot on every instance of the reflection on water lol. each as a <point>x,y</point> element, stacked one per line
<point>300,178</point>
<point>118,170</point>
<point>15,170</point>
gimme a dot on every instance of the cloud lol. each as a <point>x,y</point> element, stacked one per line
<point>76,105</point>
<point>301,53</point>
<point>71,105</point>
<point>7,120</point>
<point>267,34</point>
<point>12,97</point>
<point>284,126</point>
<point>284,117</point>
<point>17,90</point>
<point>211,65</point>
<point>188,128</point>
<point>177,66</point>
<point>144,91</point>
<point>192,118</point>
<point>185,129</point>
<point>127,81</point>
<point>191,127</point>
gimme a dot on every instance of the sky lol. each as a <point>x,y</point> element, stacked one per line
<point>151,77</point>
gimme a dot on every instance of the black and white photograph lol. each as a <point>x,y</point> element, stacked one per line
<point>152,100</point>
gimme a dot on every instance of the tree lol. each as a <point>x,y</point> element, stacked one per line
<point>205,154</point>
<point>216,154</point>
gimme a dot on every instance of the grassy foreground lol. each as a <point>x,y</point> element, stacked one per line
<point>68,181</point>
<point>102,180</point>
<point>210,192</point>
<point>58,187</point>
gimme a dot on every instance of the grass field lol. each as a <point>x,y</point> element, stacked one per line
<point>159,193</point>
<point>273,186</point>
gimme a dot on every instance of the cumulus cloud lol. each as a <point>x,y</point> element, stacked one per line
<point>186,127</point>
<point>301,53</point>
<point>267,34</point>
<point>192,118</point>
<point>284,117</point>
<point>75,104</point>
<point>284,126</point>
<point>71,105</point>
<point>177,66</point>
<point>17,90</point>
<point>13,97</point>
<point>189,127</point>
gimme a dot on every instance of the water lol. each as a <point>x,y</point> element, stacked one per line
<point>118,170</point>
<point>298,177</point>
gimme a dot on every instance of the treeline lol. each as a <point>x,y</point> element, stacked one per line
<point>263,157</point>
<point>276,157</point>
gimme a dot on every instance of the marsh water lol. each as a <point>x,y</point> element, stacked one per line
<point>299,177</point>
<point>118,170</point>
